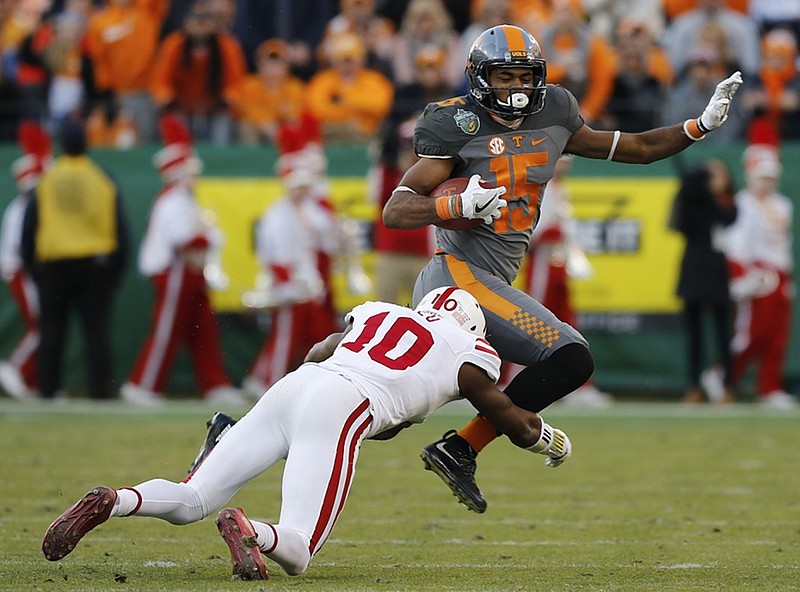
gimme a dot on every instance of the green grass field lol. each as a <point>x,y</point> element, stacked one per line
<point>656,497</point>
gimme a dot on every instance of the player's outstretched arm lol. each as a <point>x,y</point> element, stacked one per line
<point>524,428</point>
<point>659,143</point>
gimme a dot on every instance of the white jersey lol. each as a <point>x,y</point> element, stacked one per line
<point>762,232</point>
<point>175,219</point>
<point>10,237</point>
<point>406,364</point>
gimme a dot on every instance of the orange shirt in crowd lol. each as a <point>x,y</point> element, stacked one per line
<point>675,8</point>
<point>188,85</point>
<point>364,101</point>
<point>122,42</point>
<point>262,105</point>
<point>599,76</point>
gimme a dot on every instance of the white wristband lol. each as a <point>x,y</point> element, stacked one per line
<point>545,439</point>
<point>611,152</point>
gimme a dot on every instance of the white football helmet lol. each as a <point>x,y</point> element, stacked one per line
<point>456,305</point>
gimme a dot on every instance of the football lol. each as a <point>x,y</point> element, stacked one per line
<point>448,188</point>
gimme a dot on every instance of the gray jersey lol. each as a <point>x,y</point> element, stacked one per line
<point>522,160</point>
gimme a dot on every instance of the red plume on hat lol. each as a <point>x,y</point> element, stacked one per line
<point>300,146</point>
<point>177,159</point>
<point>36,147</point>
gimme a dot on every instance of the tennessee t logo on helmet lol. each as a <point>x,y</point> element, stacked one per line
<point>507,46</point>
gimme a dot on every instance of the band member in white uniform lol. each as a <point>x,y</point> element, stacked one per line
<point>18,372</point>
<point>391,367</point>
<point>173,254</point>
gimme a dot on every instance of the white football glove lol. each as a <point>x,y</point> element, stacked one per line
<point>560,450</point>
<point>554,444</point>
<point>716,112</point>
<point>479,203</point>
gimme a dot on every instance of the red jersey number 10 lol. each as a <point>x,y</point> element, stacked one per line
<point>379,352</point>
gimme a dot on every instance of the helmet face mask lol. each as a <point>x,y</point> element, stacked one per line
<point>507,46</point>
<point>454,305</point>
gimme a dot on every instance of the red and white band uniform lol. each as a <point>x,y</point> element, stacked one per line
<point>21,362</point>
<point>173,254</point>
<point>759,250</point>
<point>296,239</point>
<point>396,366</point>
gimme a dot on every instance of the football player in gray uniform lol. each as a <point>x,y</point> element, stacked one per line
<point>506,136</point>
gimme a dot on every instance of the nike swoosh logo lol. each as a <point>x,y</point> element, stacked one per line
<point>537,142</point>
<point>440,447</point>
<point>479,209</point>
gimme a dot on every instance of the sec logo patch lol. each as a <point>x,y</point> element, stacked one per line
<point>497,145</point>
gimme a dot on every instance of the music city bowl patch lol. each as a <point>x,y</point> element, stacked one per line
<point>467,121</point>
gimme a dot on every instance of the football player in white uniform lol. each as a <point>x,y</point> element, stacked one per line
<point>391,367</point>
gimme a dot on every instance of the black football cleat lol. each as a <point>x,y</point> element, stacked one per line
<point>453,459</point>
<point>218,426</point>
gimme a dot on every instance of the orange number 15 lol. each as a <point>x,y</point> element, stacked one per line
<point>512,172</point>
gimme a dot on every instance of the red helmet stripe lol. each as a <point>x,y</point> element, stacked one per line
<point>515,39</point>
<point>439,302</point>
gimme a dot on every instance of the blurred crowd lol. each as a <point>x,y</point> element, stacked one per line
<point>238,69</point>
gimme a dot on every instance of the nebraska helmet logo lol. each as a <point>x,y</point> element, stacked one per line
<point>497,145</point>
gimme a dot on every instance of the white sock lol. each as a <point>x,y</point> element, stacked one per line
<point>128,501</point>
<point>266,536</point>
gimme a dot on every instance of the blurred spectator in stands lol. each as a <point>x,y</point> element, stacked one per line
<point>759,249</point>
<point>63,58</point>
<point>741,38</point>
<point>9,92</point>
<point>358,17</point>
<point>486,15</point>
<point>701,210</point>
<point>123,40</point>
<point>672,9</point>
<point>349,99</point>
<point>578,59</point>
<point>18,372</point>
<point>605,15</point>
<point>769,15</point>
<point>642,76</point>
<point>430,84</point>
<point>174,254</point>
<point>426,23</point>
<point>76,255</point>
<point>32,74</point>
<point>531,15</point>
<point>704,69</point>
<point>199,71</point>
<point>226,14</point>
<point>269,96</point>
<point>775,94</point>
<point>556,258</point>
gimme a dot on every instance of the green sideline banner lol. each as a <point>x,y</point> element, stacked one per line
<point>621,211</point>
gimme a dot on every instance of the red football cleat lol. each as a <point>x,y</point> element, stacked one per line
<point>238,533</point>
<point>67,530</point>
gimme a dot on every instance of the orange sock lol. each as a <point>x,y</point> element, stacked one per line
<point>479,432</point>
